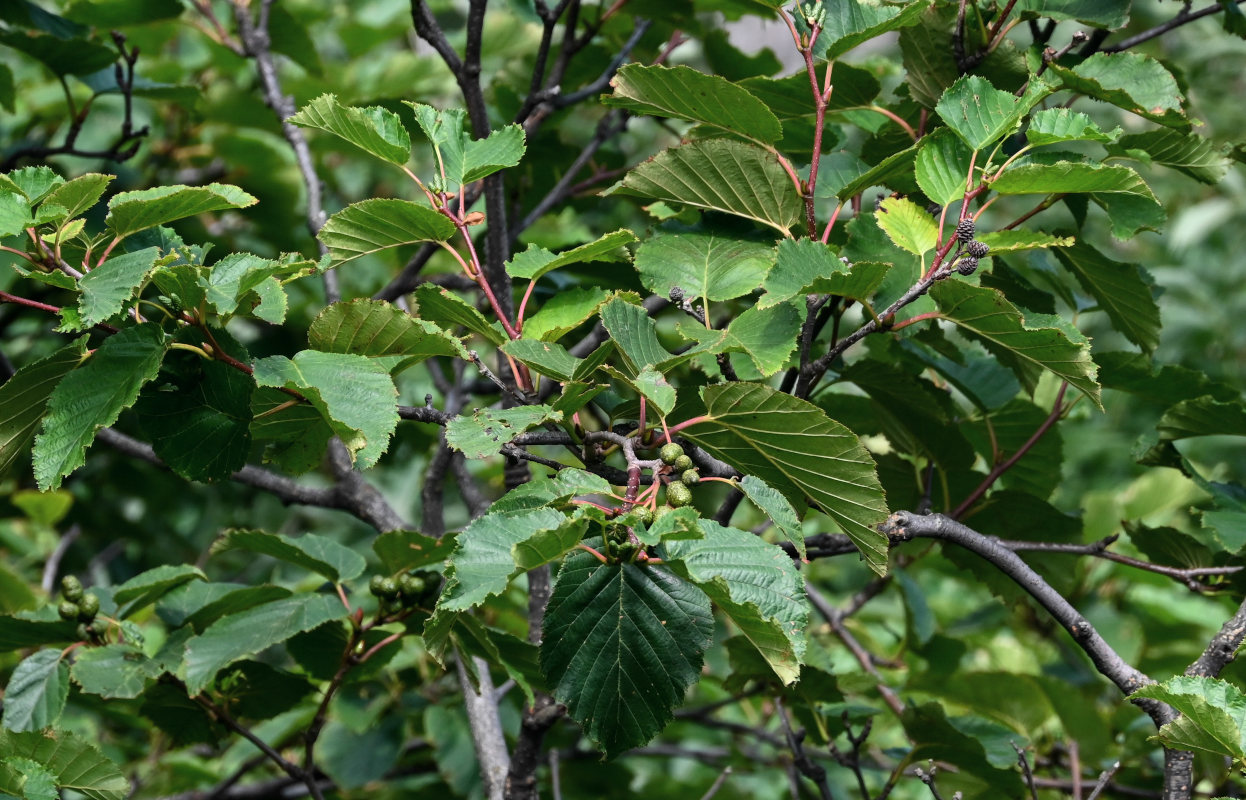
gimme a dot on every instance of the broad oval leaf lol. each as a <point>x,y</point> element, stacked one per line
<point>537,261</point>
<point>310,551</point>
<point>805,265</point>
<point>374,225</point>
<point>849,23</point>
<point>376,328</point>
<point>942,168</point>
<point>485,432</point>
<point>114,670</point>
<point>706,265</point>
<point>622,644</point>
<point>106,288</point>
<point>1212,714</point>
<point>74,763</point>
<point>981,114</point>
<point>35,695</point>
<point>720,175</point>
<point>777,509</point>
<point>1066,177</point>
<point>1132,81</point>
<point>92,397</point>
<point>683,93</point>
<point>908,226</point>
<point>375,130</point>
<point>793,446</point>
<point>24,397</point>
<point>131,212</point>
<point>249,632</point>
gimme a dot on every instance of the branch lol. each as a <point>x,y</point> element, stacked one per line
<point>486,727</point>
<point>1223,646</point>
<point>904,526</point>
<point>1183,17</point>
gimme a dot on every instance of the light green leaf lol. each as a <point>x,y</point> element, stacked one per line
<point>1025,347</point>
<point>74,762</point>
<point>37,783</point>
<point>683,93</point>
<point>836,170</point>
<point>500,149</point>
<point>147,587</point>
<point>106,288</point>
<point>354,394</point>
<point>402,550</point>
<point>1132,81</point>
<point>482,434</point>
<point>1056,125</point>
<point>849,23</point>
<point>373,225</point>
<point>537,261</point>
<point>942,167</point>
<point>14,214</point>
<point>33,183</point>
<point>806,266</point>
<point>1122,290</point>
<point>768,336</point>
<point>375,328</point>
<point>92,397</point>
<point>1213,714</point>
<point>1017,241</point>
<point>1130,214</point>
<point>1200,158</point>
<point>897,166</point>
<point>1069,177</point>
<point>447,309</point>
<point>114,670</point>
<point>36,692</point>
<point>374,130</point>
<point>563,313</point>
<point>753,583</point>
<point>249,632</point>
<point>78,195</point>
<point>24,396</point>
<point>720,175</point>
<point>907,225</point>
<point>131,212</point>
<point>311,551</point>
<point>238,279</point>
<point>777,509</point>
<point>499,546</point>
<point>708,266</point>
<point>981,114</point>
<point>793,446</point>
<point>547,358</point>
<point>622,644</point>
<point>634,332</point>
<point>655,388</point>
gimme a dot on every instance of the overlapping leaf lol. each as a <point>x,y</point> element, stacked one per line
<point>768,336</point>
<point>1213,715</point>
<point>311,551</point>
<point>942,168</point>
<point>377,329</point>
<point>106,288</point>
<point>374,130</point>
<point>373,225</point>
<point>849,23</point>
<point>537,261</point>
<point>1123,291</point>
<point>486,430</point>
<point>683,93</point>
<point>24,397</point>
<point>1132,81</point>
<point>1067,177</point>
<point>73,762</point>
<point>131,212</point>
<point>147,587</point>
<point>707,265</point>
<point>114,671</point>
<point>980,114</point>
<point>804,266</point>
<point>793,446</point>
<point>36,692</point>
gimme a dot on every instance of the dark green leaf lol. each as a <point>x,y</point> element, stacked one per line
<point>447,310</point>
<point>805,266</point>
<point>400,550</point>
<point>980,114</point>
<point>310,551</point>
<point>75,763</point>
<point>1188,153</point>
<point>374,328</point>
<point>1132,81</point>
<point>1066,177</point>
<point>537,261</point>
<point>708,266</point>
<point>374,225</point>
<point>24,396</point>
<point>147,587</point>
<point>1123,291</point>
<point>485,432</point>
<point>35,695</point>
<point>1211,714</point>
<point>114,670</point>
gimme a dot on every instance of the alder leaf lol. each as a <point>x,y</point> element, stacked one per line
<point>1123,291</point>
<point>1132,81</point>
<point>909,227</point>
<point>311,551</point>
<point>147,587</point>
<point>622,643</point>
<point>1067,177</point>
<point>74,763</point>
<point>777,509</point>
<point>980,114</point>
<point>1213,714</point>
<point>131,212</point>
<point>793,446</point>
<point>92,397</point>
<point>114,671</point>
<point>24,398</point>
<point>1057,125</point>
<point>683,93</point>
<point>720,175</point>
<point>374,130</point>
<point>373,225</point>
<point>768,336</point>
<point>36,692</point>
<point>705,265</point>
<point>537,261</point>
<point>377,329</point>
<point>486,430</point>
<point>942,166</point>
<point>806,266</point>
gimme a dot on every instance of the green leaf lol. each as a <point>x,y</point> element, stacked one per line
<point>106,288</point>
<point>1110,14</point>
<point>634,332</point>
<point>459,159</point>
<point>908,226</point>
<point>768,336</point>
<point>793,446</point>
<point>1045,342</point>
<point>806,266</point>
<point>942,167</point>
<point>720,175</point>
<point>897,166</point>
<point>753,583</point>
<point>370,226</point>
<point>375,328</point>
<point>836,170</point>
<point>198,604</point>
<point>64,56</point>
<point>1132,81</point>
<point>537,261</point>
<point>92,397</point>
<point>483,433</point>
<point>14,214</point>
<point>74,762</point>
<point>499,546</point>
<point>249,632</point>
<point>791,98</point>
<point>683,93</point>
<point>655,388</point>
<point>198,418</point>
<point>17,633</point>
<point>1203,416</point>
<point>1056,125</point>
<point>37,782</point>
<point>1188,153</point>
<point>374,130</point>
<point>147,587</point>
<point>448,309</point>
<point>622,644</point>
<point>707,266</point>
<point>24,396</point>
<point>131,212</point>
<point>238,279</point>
<point>402,550</point>
<point>354,394</point>
<point>1123,291</point>
<point>1131,214</point>
<point>500,149</point>
<point>849,23</point>
<point>1069,177</point>
<point>79,194</point>
<point>1005,432</point>
<point>310,551</point>
<point>114,671</point>
<point>1213,714</point>
<point>547,358</point>
<point>980,114</point>
<point>1017,241</point>
<point>563,313</point>
<point>36,693</point>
